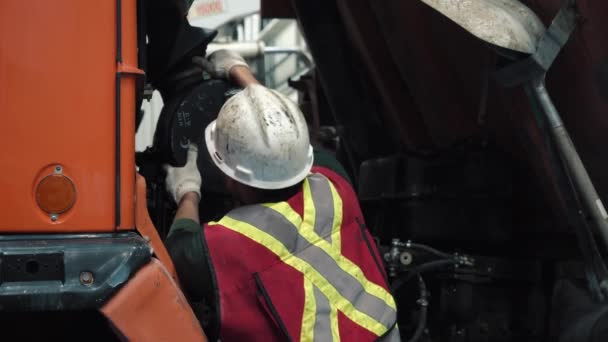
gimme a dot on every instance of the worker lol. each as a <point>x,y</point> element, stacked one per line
<point>294,261</point>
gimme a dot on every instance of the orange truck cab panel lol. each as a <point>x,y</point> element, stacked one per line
<point>75,233</point>
<point>61,96</point>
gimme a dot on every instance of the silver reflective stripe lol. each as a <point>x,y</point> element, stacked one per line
<point>324,206</point>
<point>348,286</point>
<point>322,331</point>
<point>275,224</point>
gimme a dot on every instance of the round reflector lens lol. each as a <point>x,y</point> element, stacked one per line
<point>55,194</point>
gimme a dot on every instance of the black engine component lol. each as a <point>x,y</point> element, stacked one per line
<point>167,44</point>
<point>184,118</point>
<point>460,199</point>
<point>469,298</point>
<point>183,121</point>
<point>469,185</point>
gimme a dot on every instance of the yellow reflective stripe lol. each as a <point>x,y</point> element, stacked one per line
<point>310,214</point>
<point>333,319</point>
<point>308,221</point>
<point>317,279</point>
<point>336,239</point>
<point>309,314</point>
<point>354,270</point>
<point>344,263</point>
<point>285,209</point>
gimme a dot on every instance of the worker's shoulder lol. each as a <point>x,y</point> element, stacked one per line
<point>340,183</point>
<point>325,161</point>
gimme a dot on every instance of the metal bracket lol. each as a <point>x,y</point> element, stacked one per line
<point>550,45</point>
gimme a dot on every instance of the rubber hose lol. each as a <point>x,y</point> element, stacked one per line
<point>431,250</point>
<point>429,266</point>
<point>423,311</point>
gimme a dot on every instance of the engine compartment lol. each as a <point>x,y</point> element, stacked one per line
<point>480,236</point>
<point>466,259</point>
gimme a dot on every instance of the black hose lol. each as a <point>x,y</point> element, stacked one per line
<point>429,266</point>
<point>429,249</point>
<point>422,317</point>
<point>423,300</point>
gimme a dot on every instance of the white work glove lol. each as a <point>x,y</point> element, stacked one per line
<point>182,180</point>
<point>219,63</point>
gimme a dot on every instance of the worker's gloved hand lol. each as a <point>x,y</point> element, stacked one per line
<point>219,63</point>
<point>182,180</point>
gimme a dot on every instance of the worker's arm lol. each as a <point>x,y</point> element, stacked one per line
<point>186,247</point>
<point>184,185</point>
<point>242,76</point>
<point>183,242</point>
<point>188,207</point>
<point>185,239</point>
<point>228,65</point>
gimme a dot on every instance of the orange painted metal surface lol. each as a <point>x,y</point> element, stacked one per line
<point>57,105</point>
<point>146,228</point>
<point>128,64</point>
<point>152,308</point>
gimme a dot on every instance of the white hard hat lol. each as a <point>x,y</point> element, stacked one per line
<point>260,138</point>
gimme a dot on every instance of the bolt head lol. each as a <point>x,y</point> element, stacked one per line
<point>86,278</point>
<point>54,217</point>
<point>406,258</point>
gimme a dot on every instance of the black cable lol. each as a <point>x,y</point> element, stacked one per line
<point>416,271</point>
<point>429,249</point>
<point>422,317</point>
<point>429,266</point>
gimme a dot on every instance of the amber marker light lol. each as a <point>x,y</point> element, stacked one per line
<point>55,193</point>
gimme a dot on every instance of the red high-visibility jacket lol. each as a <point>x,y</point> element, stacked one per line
<point>305,269</point>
